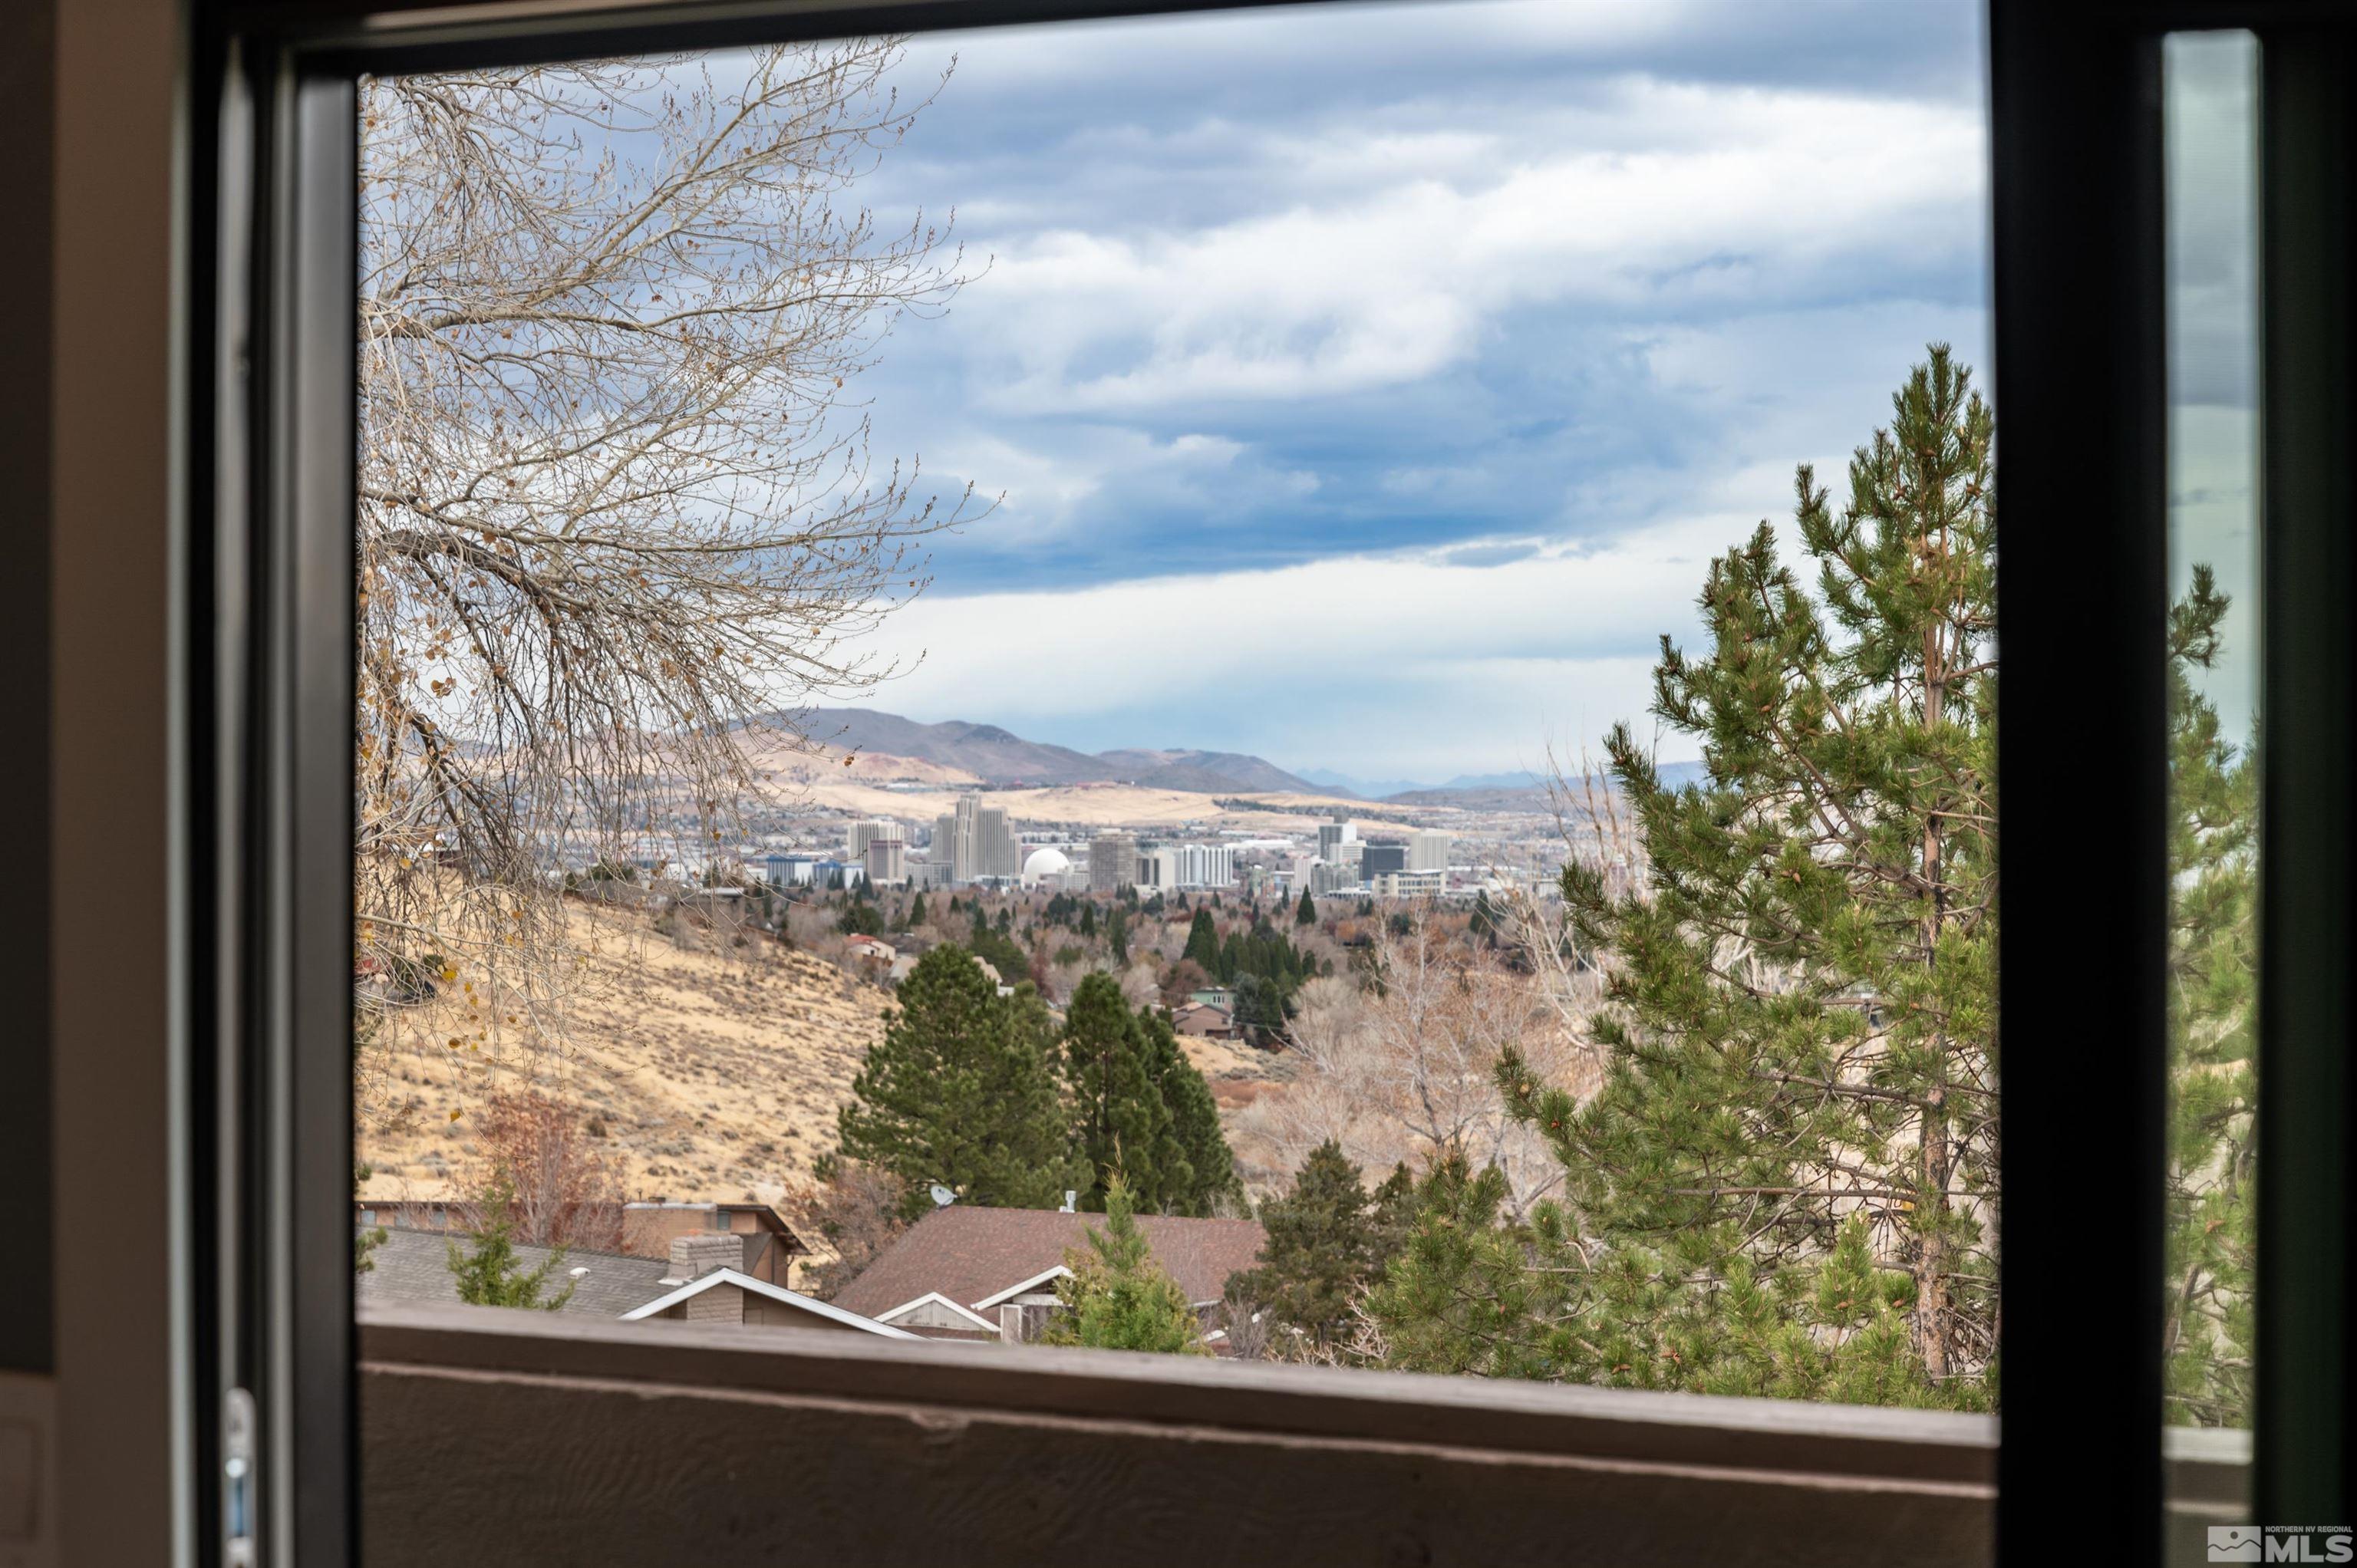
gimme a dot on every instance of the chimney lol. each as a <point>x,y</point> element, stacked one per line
<point>698,1252</point>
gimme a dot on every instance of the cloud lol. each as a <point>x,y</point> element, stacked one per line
<point>1736,197</point>
<point>1420,661</point>
<point>1368,386</point>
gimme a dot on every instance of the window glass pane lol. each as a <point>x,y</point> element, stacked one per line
<point>965,634</point>
<point>2211,111</point>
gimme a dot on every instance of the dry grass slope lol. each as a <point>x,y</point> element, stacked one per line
<point>712,1071</point>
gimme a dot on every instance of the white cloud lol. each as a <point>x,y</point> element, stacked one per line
<point>1371,663</point>
<point>1710,196</point>
<point>1042,495</point>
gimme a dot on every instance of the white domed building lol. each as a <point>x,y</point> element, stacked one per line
<point>1047,868</point>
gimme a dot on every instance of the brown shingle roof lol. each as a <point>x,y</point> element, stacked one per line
<point>970,1255</point>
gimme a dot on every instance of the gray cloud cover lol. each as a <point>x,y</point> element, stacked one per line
<point>1368,385</point>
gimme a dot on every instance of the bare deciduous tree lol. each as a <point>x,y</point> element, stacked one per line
<point>1406,1071</point>
<point>851,1213</point>
<point>615,493</point>
<point>561,1191</point>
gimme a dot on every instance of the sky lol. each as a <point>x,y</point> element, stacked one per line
<point>1368,386</point>
<point>2210,116</point>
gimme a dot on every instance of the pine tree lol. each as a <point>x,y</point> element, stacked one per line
<point>1203,941</point>
<point>2213,968</point>
<point>1459,1294</point>
<point>1305,913</point>
<point>917,909</point>
<point>1117,938</point>
<point>1259,1010</point>
<point>489,1272</point>
<point>962,1090</point>
<point>1198,1169</point>
<point>1124,1124</point>
<point>1117,1297</point>
<point>1782,1185</point>
<point>1327,1243</point>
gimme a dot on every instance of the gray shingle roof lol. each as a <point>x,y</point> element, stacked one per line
<point>415,1266</point>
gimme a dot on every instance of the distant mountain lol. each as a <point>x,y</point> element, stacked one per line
<point>1218,771</point>
<point>999,756</point>
<point>1492,790</point>
<point>1384,789</point>
<point>989,753</point>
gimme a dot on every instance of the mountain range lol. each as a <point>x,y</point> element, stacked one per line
<point>996,756</point>
<point>1000,756</point>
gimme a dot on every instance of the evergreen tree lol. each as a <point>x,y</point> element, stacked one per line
<point>1459,1293</point>
<point>1123,1124</point>
<point>1198,1169</point>
<point>1088,927</point>
<point>1117,938</point>
<point>1784,1183</point>
<point>1117,1297</point>
<point>1259,1010</point>
<point>1203,941</point>
<point>488,1272</point>
<point>1305,913</point>
<point>961,1090</point>
<point>1327,1243</point>
<point>1483,926</point>
<point>2213,968</point>
<point>917,909</point>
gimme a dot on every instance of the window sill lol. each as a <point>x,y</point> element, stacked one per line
<point>603,1442</point>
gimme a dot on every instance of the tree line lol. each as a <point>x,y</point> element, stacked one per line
<point>987,1095</point>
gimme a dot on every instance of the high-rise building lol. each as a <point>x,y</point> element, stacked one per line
<point>887,860</point>
<point>1428,850</point>
<point>1000,855</point>
<point>975,841</point>
<point>1333,835</point>
<point>868,831</point>
<point>1375,859</point>
<point>1113,862</point>
<point>1175,865</point>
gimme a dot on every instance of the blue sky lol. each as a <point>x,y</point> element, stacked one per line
<point>1369,386</point>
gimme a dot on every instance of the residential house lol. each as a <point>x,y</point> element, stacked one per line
<point>648,1227</point>
<point>706,1279</point>
<point>864,949</point>
<point>969,1273</point>
<point>1204,1021</point>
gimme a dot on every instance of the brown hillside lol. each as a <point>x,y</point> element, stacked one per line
<point>714,1070</point>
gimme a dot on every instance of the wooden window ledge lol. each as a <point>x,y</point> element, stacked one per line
<point>491,1434</point>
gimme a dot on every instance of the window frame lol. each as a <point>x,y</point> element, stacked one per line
<point>2080,321</point>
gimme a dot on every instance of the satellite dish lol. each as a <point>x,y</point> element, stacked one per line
<point>943,1196</point>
